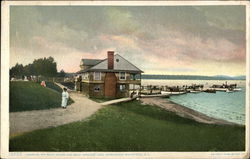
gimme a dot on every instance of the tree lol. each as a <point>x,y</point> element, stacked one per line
<point>17,70</point>
<point>43,66</point>
<point>29,70</point>
<point>61,73</point>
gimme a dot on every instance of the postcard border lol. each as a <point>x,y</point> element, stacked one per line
<point>5,85</point>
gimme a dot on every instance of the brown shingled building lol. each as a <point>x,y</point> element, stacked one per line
<point>112,77</point>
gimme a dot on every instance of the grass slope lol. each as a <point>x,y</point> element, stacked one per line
<point>70,85</point>
<point>133,127</point>
<point>31,96</point>
<point>53,86</point>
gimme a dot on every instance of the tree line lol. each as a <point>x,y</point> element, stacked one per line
<point>44,66</point>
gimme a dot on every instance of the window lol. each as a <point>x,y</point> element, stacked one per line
<point>132,77</point>
<point>97,75</point>
<point>85,76</point>
<point>97,88</point>
<point>122,76</point>
<point>122,87</point>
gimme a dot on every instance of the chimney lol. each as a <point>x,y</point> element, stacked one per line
<point>110,59</point>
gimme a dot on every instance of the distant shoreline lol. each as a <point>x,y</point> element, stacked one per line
<point>198,79</point>
<point>192,77</point>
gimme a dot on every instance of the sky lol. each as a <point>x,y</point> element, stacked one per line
<point>173,40</point>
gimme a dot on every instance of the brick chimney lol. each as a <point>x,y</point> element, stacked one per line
<point>110,59</point>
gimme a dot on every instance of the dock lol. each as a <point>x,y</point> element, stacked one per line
<point>154,95</point>
<point>166,91</point>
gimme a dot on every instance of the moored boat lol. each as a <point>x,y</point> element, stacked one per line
<point>237,89</point>
<point>194,91</point>
<point>210,91</point>
<point>173,93</point>
<point>229,91</point>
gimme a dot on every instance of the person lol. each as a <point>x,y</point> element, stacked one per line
<point>65,97</point>
<point>43,84</point>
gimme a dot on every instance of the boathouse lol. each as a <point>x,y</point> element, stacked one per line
<point>112,77</point>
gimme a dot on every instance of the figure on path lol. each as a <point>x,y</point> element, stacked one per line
<point>43,84</point>
<point>65,97</point>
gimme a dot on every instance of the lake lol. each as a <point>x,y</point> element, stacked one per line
<point>221,105</point>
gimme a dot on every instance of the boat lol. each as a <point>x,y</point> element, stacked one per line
<point>210,91</point>
<point>221,89</point>
<point>226,87</point>
<point>194,91</point>
<point>173,93</point>
<point>237,89</point>
<point>229,91</point>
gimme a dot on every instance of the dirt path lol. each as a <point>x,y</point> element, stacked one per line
<point>26,121</point>
<point>184,111</point>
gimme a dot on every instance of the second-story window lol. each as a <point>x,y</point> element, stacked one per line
<point>122,76</point>
<point>97,75</point>
<point>132,77</point>
<point>85,76</point>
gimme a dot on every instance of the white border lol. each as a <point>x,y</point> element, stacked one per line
<point>4,79</point>
<point>248,78</point>
<point>5,85</point>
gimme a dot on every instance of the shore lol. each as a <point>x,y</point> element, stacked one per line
<point>184,111</point>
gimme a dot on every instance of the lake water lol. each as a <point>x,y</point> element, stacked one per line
<point>221,105</point>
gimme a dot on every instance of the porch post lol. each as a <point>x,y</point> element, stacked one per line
<point>140,87</point>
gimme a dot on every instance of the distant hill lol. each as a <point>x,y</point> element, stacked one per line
<point>240,77</point>
<point>193,77</point>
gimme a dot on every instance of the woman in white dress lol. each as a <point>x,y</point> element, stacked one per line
<point>65,97</point>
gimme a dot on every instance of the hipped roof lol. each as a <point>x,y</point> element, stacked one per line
<point>91,62</point>
<point>120,64</point>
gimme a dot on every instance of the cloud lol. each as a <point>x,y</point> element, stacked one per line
<point>121,21</point>
<point>161,39</point>
<point>226,17</point>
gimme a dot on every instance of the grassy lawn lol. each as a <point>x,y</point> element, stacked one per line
<point>31,96</point>
<point>133,127</point>
<point>53,86</point>
<point>70,85</point>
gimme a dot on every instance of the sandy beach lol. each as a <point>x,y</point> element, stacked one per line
<point>184,111</point>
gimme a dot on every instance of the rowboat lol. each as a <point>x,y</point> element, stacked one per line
<point>173,93</point>
<point>221,89</point>
<point>237,89</point>
<point>229,91</point>
<point>194,91</point>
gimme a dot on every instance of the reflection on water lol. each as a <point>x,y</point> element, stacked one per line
<point>222,105</point>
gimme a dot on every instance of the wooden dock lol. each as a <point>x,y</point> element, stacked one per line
<point>155,95</point>
<point>115,101</point>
